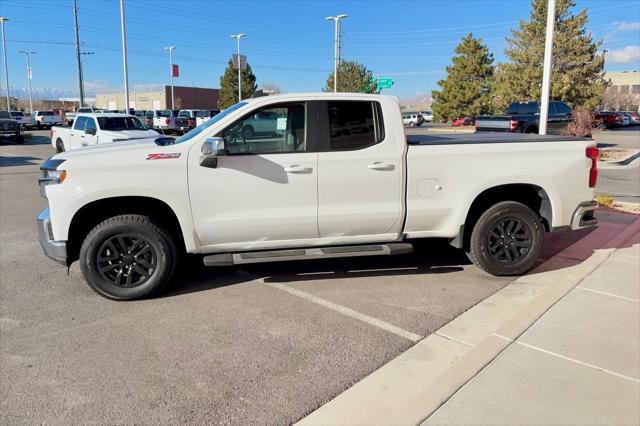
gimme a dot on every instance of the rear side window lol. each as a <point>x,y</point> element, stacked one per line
<point>522,108</point>
<point>90,124</point>
<point>354,124</point>
<point>80,123</point>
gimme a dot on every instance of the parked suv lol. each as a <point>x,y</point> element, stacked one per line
<point>412,119</point>
<point>9,126</point>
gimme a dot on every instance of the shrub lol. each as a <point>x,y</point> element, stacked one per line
<point>582,124</point>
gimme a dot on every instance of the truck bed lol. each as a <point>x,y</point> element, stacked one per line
<point>486,138</point>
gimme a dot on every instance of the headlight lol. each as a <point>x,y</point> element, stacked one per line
<point>51,176</point>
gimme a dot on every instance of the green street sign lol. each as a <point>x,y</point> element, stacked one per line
<point>385,83</point>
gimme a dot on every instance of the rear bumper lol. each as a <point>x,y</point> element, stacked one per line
<point>56,250</point>
<point>583,216</point>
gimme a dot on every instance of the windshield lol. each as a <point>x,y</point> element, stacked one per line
<point>120,123</point>
<point>210,122</point>
<point>202,113</point>
<point>163,113</point>
<point>4,114</point>
<point>45,113</point>
<point>184,114</point>
<point>17,114</point>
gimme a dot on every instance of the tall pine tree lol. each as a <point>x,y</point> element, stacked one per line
<point>465,91</point>
<point>577,75</point>
<point>353,77</point>
<point>229,85</point>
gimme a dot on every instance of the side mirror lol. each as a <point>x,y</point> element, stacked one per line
<point>212,148</point>
<point>90,131</point>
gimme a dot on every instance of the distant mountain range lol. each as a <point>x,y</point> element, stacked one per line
<point>47,93</point>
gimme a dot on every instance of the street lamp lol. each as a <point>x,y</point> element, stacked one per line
<point>29,76</point>
<point>238,37</point>
<point>336,53</point>
<point>6,70</point>
<point>170,49</point>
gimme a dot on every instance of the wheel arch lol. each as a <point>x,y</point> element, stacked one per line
<point>89,215</point>
<point>533,196</point>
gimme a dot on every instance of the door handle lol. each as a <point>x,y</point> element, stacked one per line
<point>379,165</point>
<point>297,169</point>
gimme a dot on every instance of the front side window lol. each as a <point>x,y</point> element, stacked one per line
<point>269,130</point>
<point>121,123</point>
<point>352,124</point>
<point>80,123</point>
<point>90,124</point>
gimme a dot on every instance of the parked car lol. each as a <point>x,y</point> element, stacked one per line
<point>70,116</point>
<point>466,121</point>
<point>26,121</point>
<point>340,179</point>
<point>412,119</point>
<point>427,115</point>
<point>634,118</point>
<point>205,114</point>
<point>46,119</point>
<point>524,117</point>
<point>10,127</point>
<point>630,118</point>
<point>611,119</point>
<point>99,128</point>
<point>190,115</point>
<point>167,121</point>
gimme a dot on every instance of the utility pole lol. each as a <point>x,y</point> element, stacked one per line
<point>170,49</point>
<point>29,76</point>
<point>6,67</point>
<point>124,57</point>
<point>546,68</point>
<point>336,51</point>
<point>238,37</point>
<point>80,82</point>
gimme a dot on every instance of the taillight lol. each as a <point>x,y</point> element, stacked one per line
<point>592,153</point>
<point>513,125</point>
<point>167,121</point>
<point>190,122</point>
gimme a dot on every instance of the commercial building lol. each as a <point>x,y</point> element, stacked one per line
<point>624,92</point>
<point>185,98</point>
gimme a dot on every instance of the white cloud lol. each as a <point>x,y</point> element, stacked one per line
<point>626,55</point>
<point>147,87</point>
<point>96,86</point>
<point>626,26</point>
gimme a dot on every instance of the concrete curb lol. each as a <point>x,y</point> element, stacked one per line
<point>410,388</point>
<point>619,163</point>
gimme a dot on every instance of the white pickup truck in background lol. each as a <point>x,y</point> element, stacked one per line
<point>167,121</point>
<point>99,128</point>
<point>337,178</point>
<point>203,115</point>
<point>26,121</point>
<point>46,119</point>
<point>70,116</point>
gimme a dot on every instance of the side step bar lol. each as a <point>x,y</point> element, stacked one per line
<point>225,259</point>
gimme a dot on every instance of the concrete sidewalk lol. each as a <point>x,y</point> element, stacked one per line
<point>560,345</point>
<point>578,364</point>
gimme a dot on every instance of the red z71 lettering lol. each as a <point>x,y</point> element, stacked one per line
<point>168,156</point>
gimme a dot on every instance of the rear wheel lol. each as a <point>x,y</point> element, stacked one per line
<point>412,124</point>
<point>59,146</point>
<point>127,257</point>
<point>506,239</point>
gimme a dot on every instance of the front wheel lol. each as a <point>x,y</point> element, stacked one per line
<point>506,239</point>
<point>127,257</point>
<point>59,146</point>
<point>412,124</point>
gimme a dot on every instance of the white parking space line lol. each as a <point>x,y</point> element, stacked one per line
<point>576,361</point>
<point>349,312</point>
<point>604,293</point>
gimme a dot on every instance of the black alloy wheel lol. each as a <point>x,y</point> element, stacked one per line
<point>126,260</point>
<point>509,240</point>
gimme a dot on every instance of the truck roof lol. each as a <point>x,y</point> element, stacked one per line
<point>322,95</point>
<point>103,114</point>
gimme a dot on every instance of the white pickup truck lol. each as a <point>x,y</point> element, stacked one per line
<point>167,121</point>
<point>99,128</point>
<point>338,178</point>
<point>47,118</point>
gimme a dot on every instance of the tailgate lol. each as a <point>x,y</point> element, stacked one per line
<point>493,123</point>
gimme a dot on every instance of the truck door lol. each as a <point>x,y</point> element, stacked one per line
<point>360,182</point>
<point>264,193</point>
<point>75,133</point>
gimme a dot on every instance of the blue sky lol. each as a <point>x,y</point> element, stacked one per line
<point>288,43</point>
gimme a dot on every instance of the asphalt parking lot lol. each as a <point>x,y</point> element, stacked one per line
<point>263,344</point>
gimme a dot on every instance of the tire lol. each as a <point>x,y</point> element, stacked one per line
<point>107,247</point>
<point>412,124</point>
<point>497,249</point>
<point>531,130</point>
<point>247,132</point>
<point>59,146</point>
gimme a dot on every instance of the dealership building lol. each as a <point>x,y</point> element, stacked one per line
<point>185,98</point>
<point>624,92</point>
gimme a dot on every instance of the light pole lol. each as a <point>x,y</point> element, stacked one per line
<point>336,52</point>
<point>80,81</point>
<point>170,49</point>
<point>29,76</point>
<point>6,68</point>
<point>124,57</point>
<point>238,37</point>
<point>546,66</point>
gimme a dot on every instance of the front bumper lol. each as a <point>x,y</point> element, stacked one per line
<point>56,250</point>
<point>583,216</point>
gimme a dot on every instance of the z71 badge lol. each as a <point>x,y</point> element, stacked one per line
<point>167,156</point>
